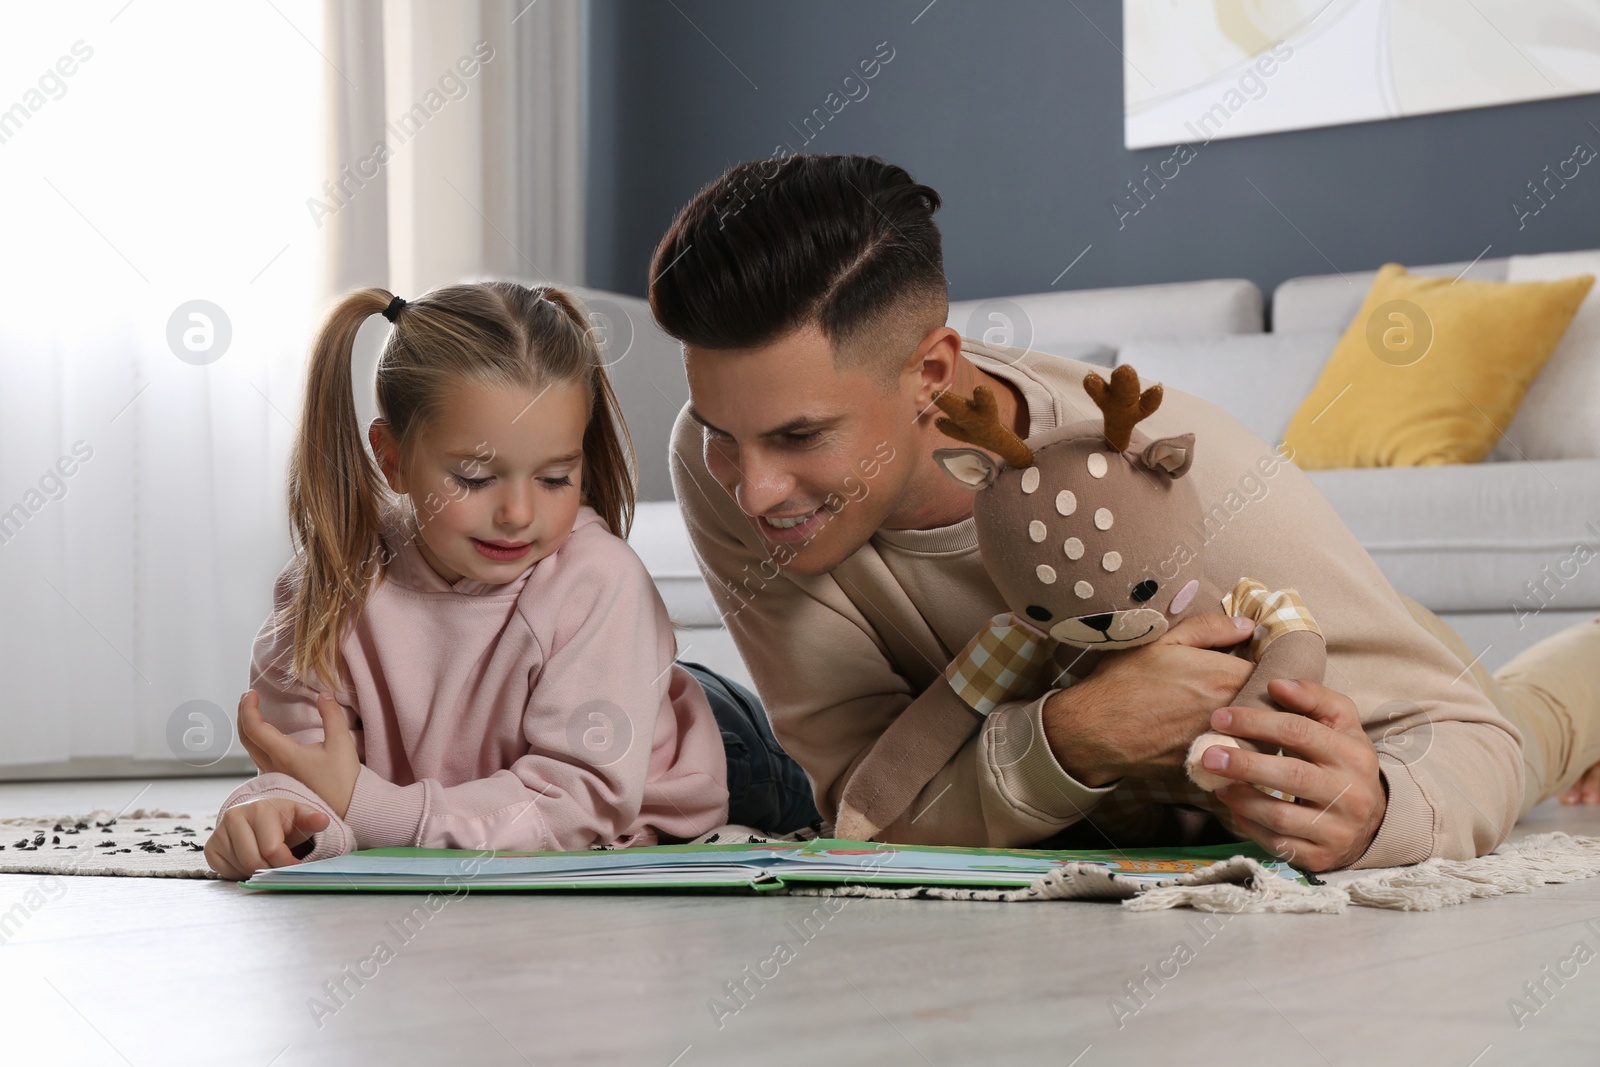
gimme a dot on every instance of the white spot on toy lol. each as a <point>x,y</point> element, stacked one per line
<point>1047,573</point>
<point>1111,561</point>
<point>1185,595</point>
<point>1030,479</point>
<point>1036,531</point>
<point>1066,503</point>
<point>1084,590</point>
<point>1102,518</point>
<point>1074,548</point>
<point>1097,465</point>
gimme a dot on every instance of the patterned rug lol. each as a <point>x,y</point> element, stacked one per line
<point>142,843</point>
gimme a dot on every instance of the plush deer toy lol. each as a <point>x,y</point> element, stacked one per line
<point>1081,531</point>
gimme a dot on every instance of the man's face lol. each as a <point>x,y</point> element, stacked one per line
<point>817,458</point>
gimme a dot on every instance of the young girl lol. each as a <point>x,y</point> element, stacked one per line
<point>478,660</point>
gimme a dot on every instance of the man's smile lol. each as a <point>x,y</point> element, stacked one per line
<point>791,527</point>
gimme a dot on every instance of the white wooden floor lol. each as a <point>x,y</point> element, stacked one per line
<point>155,971</point>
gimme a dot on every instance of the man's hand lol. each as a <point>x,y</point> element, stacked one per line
<point>1138,711</point>
<point>328,768</point>
<point>1333,773</point>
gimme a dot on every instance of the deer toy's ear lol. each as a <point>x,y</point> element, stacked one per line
<point>967,467</point>
<point>1170,455</point>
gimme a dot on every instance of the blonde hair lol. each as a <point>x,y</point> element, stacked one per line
<point>489,333</point>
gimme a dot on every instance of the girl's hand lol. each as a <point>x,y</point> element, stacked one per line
<point>258,833</point>
<point>328,768</point>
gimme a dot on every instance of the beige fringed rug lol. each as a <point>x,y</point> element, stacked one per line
<point>1241,884</point>
<point>1517,867</point>
<point>150,843</point>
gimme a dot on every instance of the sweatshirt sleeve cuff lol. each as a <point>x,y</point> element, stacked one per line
<point>1406,834</point>
<point>1036,783</point>
<point>333,840</point>
<point>385,815</point>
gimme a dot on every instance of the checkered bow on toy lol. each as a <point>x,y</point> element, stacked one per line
<point>1083,532</point>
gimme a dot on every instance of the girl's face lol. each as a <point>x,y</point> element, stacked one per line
<point>496,481</point>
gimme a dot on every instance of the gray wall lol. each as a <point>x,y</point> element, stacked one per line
<point>1012,110</point>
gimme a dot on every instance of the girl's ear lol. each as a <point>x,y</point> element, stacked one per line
<point>387,453</point>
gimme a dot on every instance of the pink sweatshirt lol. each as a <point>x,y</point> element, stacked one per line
<point>542,713</point>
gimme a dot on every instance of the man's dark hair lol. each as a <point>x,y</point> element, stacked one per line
<point>778,244</point>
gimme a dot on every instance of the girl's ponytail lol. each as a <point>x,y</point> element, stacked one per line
<point>335,497</point>
<point>560,299</point>
<point>611,475</point>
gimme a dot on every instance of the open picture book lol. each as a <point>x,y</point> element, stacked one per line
<point>758,867</point>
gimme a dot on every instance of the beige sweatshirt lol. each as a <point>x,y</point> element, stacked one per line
<point>837,657</point>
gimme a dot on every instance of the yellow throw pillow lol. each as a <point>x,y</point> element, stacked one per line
<point>1431,370</point>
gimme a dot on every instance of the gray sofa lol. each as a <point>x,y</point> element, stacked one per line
<point>1464,540</point>
<point>1470,541</point>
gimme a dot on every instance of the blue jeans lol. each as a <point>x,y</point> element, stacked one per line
<point>766,788</point>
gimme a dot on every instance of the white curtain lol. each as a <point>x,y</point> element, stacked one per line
<point>153,156</point>
<point>462,126</point>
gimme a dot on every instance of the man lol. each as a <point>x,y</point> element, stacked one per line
<point>810,298</point>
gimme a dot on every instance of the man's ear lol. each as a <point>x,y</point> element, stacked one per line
<point>933,365</point>
<point>387,453</point>
<point>1171,456</point>
<point>967,467</point>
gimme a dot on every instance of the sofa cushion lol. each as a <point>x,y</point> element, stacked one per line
<point>1560,416</point>
<point>1479,536</point>
<point>1431,369</point>
<point>1259,379</point>
<point>661,540</point>
<point>1046,321</point>
<point>1329,301</point>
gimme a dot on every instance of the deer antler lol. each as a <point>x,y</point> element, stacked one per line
<point>1121,403</point>
<point>977,422</point>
